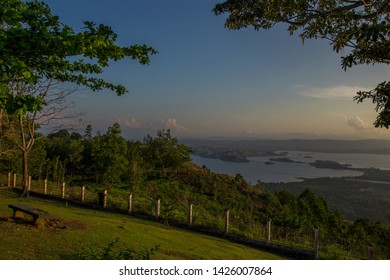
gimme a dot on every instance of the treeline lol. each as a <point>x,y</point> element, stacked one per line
<point>105,159</point>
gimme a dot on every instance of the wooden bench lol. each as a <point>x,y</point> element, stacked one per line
<point>34,212</point>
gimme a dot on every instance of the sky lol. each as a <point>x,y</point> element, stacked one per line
<point>208,81</point>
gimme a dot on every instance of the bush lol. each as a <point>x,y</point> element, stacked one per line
<point>112,252</point>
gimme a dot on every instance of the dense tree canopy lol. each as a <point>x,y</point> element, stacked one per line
<point>361,27</point>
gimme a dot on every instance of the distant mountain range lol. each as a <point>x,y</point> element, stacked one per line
<point>255,147</point>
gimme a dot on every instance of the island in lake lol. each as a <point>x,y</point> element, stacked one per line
<point>284,159</point>
<point>330,164</point>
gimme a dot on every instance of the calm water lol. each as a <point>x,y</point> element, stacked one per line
<point>289,172</point>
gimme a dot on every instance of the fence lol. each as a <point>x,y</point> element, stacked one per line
<point>280,239</point>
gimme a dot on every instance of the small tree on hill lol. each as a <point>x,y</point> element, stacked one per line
<point>110,157</point>
<point>165,152</point>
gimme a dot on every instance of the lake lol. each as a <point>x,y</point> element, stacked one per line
<point>256,169</point>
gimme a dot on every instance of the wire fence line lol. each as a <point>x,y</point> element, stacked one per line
<point>196,216</point>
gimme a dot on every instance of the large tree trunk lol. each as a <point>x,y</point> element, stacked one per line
<point>25,146</point>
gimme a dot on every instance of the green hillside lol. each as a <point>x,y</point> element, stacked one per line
<point>69,230</point>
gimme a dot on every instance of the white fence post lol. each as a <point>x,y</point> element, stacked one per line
<point>63,190</point>
<point>14,180</point>
<point>130,203</point>
<point>45,187</point>
<point>29,184</point>
<point>190,214</point>
<point>227,212</point>
<point>157,208</point>
<point>105,198</point>
<point>82,194</point>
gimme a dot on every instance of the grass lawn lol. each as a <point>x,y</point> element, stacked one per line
<point>70,229</point>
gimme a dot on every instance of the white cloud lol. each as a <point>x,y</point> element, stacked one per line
<point>335,92</point>
<point>366,129</point>
<point>172,123</point>
<point>359,125</point>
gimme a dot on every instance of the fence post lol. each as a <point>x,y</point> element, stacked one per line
<point>227,221</point>
<point>14,180</point>
<point>370,251</point>
<point>63,190</point>
<point>130,204</point>
<point>105,198</point>
<point>9,180</point>
<point>29,184</point>
<point>157,208</point>
<point>316,243</point>
<point>190,214</point>
<point>45,187</point>
<point>268,231</point>
<point>82,194</point>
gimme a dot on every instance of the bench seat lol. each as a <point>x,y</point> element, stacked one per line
<point>34,212</point>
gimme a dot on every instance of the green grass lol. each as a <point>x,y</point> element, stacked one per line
<point>70,229</point>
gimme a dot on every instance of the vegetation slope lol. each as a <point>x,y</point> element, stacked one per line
<point>72,232</point>
<point>159,168</point>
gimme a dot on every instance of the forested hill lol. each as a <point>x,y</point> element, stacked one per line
<point>160,168</point>
<point>256,146</point>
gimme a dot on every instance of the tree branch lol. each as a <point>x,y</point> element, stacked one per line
<point>381,10</point>
<point>326,14</point>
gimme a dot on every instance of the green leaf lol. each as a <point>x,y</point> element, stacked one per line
<point>27,75</point>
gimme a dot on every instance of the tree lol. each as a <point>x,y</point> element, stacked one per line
<point>57,144</point>
<point>86,164</point>
<point>136,165</point>
<point>110,157</point>
<point>9,152</point>
<point>76,149</point>
<point>361,27</point>
<point>36,47</point>
<point>165,152</point>
<point>27,122</point>
<point>8,149</point>
<point>381,97</point>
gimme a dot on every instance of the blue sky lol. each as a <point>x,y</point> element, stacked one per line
<point>208,81</point>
